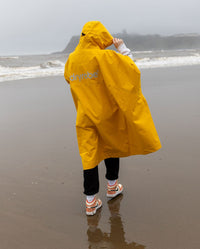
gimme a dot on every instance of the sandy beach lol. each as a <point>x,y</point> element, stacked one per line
<point>41,199</point>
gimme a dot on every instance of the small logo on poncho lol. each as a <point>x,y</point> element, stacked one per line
<point>84,76</point>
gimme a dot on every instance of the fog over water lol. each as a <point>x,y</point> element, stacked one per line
<point>47,26</point>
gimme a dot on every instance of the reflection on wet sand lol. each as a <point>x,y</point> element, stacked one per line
<point>116,238</point>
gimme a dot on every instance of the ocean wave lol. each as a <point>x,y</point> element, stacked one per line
<point>17,73</point>
<point>168,61</point>
<point>50,64</point>
<point>56,67</point>
<point>9,57</point>
<point>145,51</point>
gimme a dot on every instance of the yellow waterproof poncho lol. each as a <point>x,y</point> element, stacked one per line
<point>113,118</point>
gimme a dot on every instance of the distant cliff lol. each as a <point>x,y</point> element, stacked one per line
<point>149,42</point>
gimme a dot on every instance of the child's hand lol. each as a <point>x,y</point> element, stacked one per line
<point>117,42</point>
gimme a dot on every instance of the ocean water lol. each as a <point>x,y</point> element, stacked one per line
<point>33,66</point>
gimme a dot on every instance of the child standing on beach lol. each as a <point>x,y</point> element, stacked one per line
<point>113,118</point>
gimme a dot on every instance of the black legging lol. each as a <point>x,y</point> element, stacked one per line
<point>91,176</point>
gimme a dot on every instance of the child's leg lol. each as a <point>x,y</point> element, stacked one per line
<point>112,168</point>
<point>91,181</point>
<point>112,172</point>
<point>91,187</point>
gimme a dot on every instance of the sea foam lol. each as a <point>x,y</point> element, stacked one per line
<point>168,61</point>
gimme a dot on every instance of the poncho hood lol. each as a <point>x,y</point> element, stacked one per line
<point>94,34</point>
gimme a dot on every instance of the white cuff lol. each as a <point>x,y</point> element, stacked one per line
<point>124,50</point>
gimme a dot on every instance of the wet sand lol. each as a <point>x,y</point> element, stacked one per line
<point>41,200</point>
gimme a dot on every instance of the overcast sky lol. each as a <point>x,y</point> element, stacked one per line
<point>43,26</point>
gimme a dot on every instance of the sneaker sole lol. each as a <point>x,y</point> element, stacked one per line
<point>114,195</point>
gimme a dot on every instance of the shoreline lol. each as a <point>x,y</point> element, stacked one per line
<point>141,69</point>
